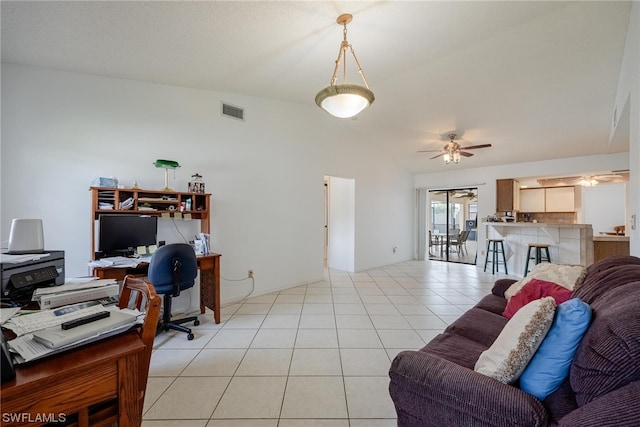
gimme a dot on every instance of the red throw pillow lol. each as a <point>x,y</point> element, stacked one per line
<point>533,290</point>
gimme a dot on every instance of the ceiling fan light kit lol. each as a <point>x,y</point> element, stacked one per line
<point>452,152</point>
<point>345,100</point>
<point>589,182</point>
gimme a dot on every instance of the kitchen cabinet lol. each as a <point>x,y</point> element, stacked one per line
<point>560,199</point>
<point>606,246</point>
<point>547,199</point>
<point>532,200</point>
<point>507,195</point>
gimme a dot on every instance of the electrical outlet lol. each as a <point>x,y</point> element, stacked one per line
<point>250,274</point>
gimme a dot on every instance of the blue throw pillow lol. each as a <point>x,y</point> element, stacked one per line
<point>550,365</point>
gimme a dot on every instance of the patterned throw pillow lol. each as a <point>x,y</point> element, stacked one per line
<point>567,276</point>
<point>510,353</point>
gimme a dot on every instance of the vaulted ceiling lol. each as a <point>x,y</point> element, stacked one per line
<point>537,80</point>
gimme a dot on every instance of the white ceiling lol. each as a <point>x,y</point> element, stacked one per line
<point>535,79</point>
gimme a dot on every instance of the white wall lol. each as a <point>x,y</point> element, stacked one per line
<point>266,174</point>
<point>629,92</point>
<point>604,206</point>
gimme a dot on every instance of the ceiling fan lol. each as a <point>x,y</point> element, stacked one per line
<point>585,180</point>
<point>460,194</point>
<point>452,151</point>
<point>465,194</point>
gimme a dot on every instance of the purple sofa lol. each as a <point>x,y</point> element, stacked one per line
<point>437,386</point>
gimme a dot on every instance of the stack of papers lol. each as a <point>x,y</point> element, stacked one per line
<point>17,259</point>
<point>116,261</point>
<point>47,323</point>
<point>27,323</point>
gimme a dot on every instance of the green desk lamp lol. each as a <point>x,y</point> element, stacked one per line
<point>166,165</point>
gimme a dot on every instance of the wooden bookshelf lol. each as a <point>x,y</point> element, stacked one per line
<point>148,202</point>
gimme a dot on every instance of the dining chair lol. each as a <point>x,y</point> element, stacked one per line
<point>139,294</point>
<point>460,242</point>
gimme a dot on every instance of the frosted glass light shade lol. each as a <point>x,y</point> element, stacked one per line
<point>344,101</point>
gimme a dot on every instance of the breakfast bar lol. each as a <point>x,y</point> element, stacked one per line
<point>569,243</point>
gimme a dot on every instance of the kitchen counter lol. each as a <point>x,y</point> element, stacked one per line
<point>610,238</point>
<point>535,224</point>
<point>569,243</point>
<point>605,245</point>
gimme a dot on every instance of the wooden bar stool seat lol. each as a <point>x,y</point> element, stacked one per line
<point>537,255</point>
<point>495,247</point>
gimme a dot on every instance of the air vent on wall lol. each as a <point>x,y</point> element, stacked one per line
<point>232,111</point>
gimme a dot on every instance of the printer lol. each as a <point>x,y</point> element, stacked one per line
<point>20,279</point>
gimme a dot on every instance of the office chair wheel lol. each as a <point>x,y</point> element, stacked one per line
<point>196,322</point>
<point>190,337</point>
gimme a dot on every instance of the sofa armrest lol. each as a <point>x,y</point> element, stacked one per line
<point>501,285</point>
<point>430,391</point>
<point>618,408</point>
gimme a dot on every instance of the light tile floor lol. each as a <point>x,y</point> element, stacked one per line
<point>316,355</point>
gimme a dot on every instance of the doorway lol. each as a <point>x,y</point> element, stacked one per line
<point>451,217</point>
<point>339,227</point>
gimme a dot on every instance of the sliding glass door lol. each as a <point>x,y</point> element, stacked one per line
<point>451,225</point>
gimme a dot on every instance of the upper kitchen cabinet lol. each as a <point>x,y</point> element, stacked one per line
<point>532,200</point>
<point>560,199</point>
<point>549,199</point>
<point>507,195</point>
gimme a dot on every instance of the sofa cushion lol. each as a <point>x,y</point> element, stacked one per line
<point>612,262</point>
<point>515,346</point>
<point>550,365</point>
<point>609,355</point>
<point>501,285</point>
<point>478,325</point>
<point>455,348</point>
<point>492,303</point>
<point>568,276</point>
<point>602,281</point>
<point>561,402</point>
<point>535,289</point>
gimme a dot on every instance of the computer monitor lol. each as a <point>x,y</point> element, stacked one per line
<point>122,234</point>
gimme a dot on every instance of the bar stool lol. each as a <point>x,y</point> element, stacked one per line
<point>538,256</point>
<point>496,248</point>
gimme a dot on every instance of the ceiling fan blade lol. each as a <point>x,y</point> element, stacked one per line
<point>429,151</point>
<point>464,153</point>
<point>607,177</point>
<point>567,180</point>
<point>435,157</point>
<point>473,147</point>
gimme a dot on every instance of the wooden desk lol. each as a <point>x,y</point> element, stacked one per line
<point>209,266</point>
<point>78,385</point>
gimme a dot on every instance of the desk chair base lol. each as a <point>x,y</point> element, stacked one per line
<point>176,325</point>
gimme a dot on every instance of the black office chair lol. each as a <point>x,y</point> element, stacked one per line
<point>173,268</point>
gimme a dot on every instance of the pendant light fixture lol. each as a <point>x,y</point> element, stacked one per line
<point>345,100</point>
